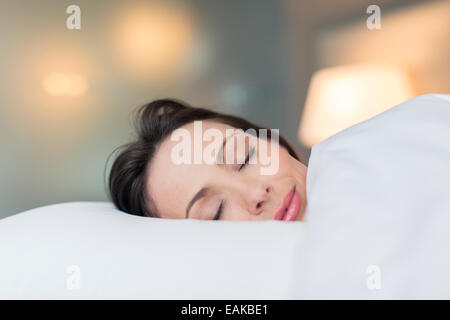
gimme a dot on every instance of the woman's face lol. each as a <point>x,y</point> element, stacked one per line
<point>232,190</point>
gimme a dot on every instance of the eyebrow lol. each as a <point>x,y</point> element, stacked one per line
<point>200,194</point>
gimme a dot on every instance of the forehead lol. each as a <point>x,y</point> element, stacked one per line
<point>171,185</point>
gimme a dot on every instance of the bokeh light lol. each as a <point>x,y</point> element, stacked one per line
<point>154,40</point>
<point>342,96</point>
<point>58,84</point>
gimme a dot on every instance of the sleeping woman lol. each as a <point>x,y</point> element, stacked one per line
<point>148,179</point>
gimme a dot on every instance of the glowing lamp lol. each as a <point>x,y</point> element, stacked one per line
<point>341,96</point>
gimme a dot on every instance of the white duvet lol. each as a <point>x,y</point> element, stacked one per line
<point>379,207</point>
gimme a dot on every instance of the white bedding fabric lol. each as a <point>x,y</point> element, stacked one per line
<point>88,250</point>
<point>378,198</point>
<point>379,195</point>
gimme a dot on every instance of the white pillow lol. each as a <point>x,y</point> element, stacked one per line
<point>91,250</point>
<point>378,216</point>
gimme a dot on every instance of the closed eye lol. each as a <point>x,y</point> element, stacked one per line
<point>219,211</point>
<point>249,155</point>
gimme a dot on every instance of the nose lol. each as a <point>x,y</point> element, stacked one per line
<point>256,197</point>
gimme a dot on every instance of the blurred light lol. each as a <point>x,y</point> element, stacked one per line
<point>342,96</point>
<point>155,39</point>
<point>58,84</point>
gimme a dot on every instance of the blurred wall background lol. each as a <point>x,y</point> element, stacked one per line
<point>66,95</point>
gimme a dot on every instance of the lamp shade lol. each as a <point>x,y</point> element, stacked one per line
<point>341,96</point>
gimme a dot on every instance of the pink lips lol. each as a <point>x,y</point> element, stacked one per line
<point>290,206</point>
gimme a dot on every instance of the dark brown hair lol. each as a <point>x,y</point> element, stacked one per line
<point>154,122</point>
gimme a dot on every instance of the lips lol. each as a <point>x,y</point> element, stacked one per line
<point>290,206</point>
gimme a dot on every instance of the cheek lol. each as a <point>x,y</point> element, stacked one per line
<point>284,161</point>
<point>291,168</point>
<point>284,157</point>
<point>236,211</point>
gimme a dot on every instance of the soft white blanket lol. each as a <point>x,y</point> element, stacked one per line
<point>379,207</point>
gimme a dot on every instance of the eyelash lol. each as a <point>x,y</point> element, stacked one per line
<point>250,154</point>
<point>219,211</point>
